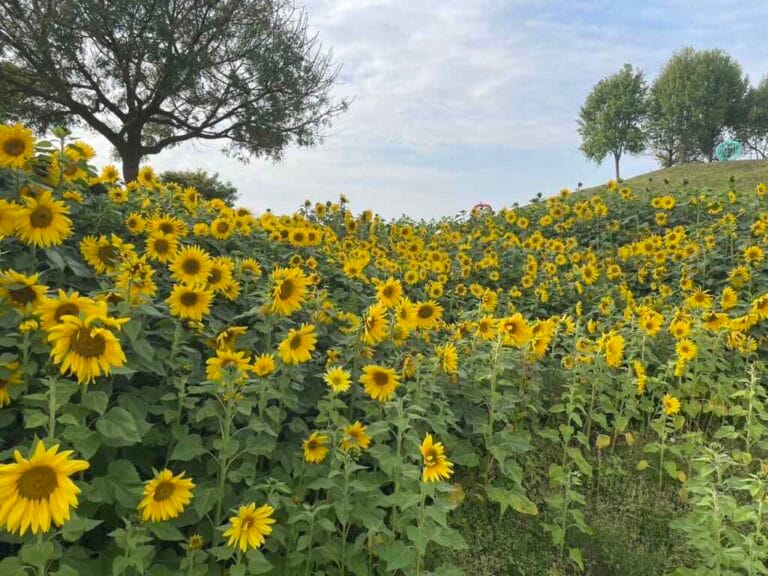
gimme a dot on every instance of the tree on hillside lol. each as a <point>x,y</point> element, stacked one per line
<point>209,186</point>
<point>150,74</point>
<point>611,117</point>
<point>695,99</point>
<point>752,128</point>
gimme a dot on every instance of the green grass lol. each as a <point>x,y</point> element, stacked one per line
<point>716,176</point>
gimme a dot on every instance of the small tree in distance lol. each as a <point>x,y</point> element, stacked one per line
<point>209,186</point>
<point>611,118</point>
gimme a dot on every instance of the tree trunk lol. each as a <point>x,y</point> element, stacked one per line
<point>616,158</point>
<point>131,162</point>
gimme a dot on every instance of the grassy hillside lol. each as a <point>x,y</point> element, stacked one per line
<point>747,174</point>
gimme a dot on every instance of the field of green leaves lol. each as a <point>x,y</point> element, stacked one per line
<point>191,388</point>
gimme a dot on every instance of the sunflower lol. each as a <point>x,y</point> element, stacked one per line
<point>165,496</point>
<point>264,365</point>
<point>105,253</point>
<point>8,217</point>
<point>20,291</point>
<point>614,350</point>
<point>17,145</point>
<point>315,448</point>
<point>486,328</point>
<point>298,345</point>
<point>135,223</point>
<point>52,310</point>
<point>289,288</point>
<point>427,315</point>
<point>220,275</point>
<point>448,358</point>
<point>191,265</point>
<point>686,350</point>
<point>338,379</point>
<point>161,247</point>
<point>36,492</point>
<point>147,177</point>
<point>43,221</point>
<point>168,225</point>
<point>86,348</point>
<point>355,438</point>
<point>250,266</point>
<point>225,361</point>
<point>222,228</point>
<point>514,330</point>
<point>10,374</point>
<point>227,338</point>
<point>389,292</point>
<point>375,325</point>
<point>671,405</point>
<point>189,301</point>
<point>109,174</point>
<point>380,383</point>
<point>436,466</point>
<point>250,526</point>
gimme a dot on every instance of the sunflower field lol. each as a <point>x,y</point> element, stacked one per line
<point>187,387</point>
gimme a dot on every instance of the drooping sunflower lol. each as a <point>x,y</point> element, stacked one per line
<point>376,325</point>
<point>289,288</point>
<point>165,496</point>
<point>338,379</point>
<point>38,492</point>
<point>161,247</point>
<point>315,448</point>
<point>250,527</point>
<point>86,348</point>
<point>448,358</point>
<point>670,405</point>
<point>105,253</point>
<point>8,217</point>
<point>10,374</point>
<point>190,302</point>
<point>20,291</point>
<point>436,466</point>
<point>43,221</point>
<point>380,383</point>
<point>17,145</point>
<point>298,345</point>
<point>191,265</point>
<point>227,338</point>
<point>355,438</point>
<point>52,310</point>
<point>226,360</point>
<point>264,365</point>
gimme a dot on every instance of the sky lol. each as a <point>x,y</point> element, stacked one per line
<point>458,102</point>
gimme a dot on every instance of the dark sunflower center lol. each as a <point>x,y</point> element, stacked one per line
<point>189,298</point>
<point>166,228</point>
<point>161,246</point>
<point>163,491</point>
<point>191,266</point>
<point>66,309</point>
<point>388,292</point>
<point>222,227</point>
<point>295,342</point>
<point>37,483</point>
<point>88,346</point>
<point>286,289</point>
<point>380,378</point>
<point>215,276</point>
<point>298,237</point>
<point>23,295</point>
<point>109,254</point>
<point>41,217</point>
<point>3,383</point>
<point>14,147</point>
<point>425,312</point>
<point>70,169</point>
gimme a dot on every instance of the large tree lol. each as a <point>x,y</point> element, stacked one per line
<point>695,99</point>
<point>150,74</point>
<point>610,120</point>
<point>752,128</point>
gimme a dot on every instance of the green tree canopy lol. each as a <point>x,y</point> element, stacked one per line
<point>149,74</point>
<point>209,186</point>
<point>610,120</point>
<point>696,98</point>
<point>752,128</point>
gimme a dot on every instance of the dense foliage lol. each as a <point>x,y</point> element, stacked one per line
<point>189,388</point>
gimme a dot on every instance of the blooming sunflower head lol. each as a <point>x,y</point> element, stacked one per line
<point>165,496</point>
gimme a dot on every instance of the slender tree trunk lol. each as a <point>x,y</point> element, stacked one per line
<point>131,162</point>
<point>616,158</point>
